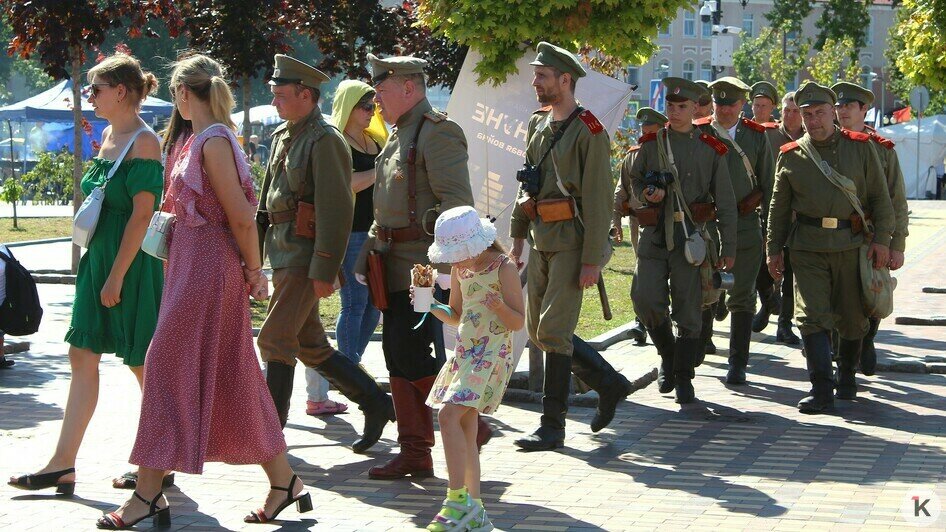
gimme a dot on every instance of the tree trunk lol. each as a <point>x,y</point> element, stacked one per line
<point>247,127</point>
<point>77,146</point>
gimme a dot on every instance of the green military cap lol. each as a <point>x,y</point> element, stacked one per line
<point>813,94</point>
<point>727,90</point>
<point>705,98</point>
<point>646,115</point>
<point>289,70</point>
<point>764,88</point>
<point>682,89</point>
<point>556,57</point>
<point>849,92</point>
<point>402,65</point>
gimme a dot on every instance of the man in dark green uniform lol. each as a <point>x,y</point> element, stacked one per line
<point>308,176</point>
<point>565,212</point>
<point>853,102</point>
<point>751,172</point>
<point>696,163</point>
<point>704,106</point>
<point>826,236</point>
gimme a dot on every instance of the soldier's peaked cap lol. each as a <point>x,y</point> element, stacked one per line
<point>382,69</point>
<point>553,56</point>
<point>646,115</point>
<point>813,94</point>
<point>289,70</point>
<point>764,88</point>
<point>728,90</point>
<point>849,92</point>
<point>682,89</point>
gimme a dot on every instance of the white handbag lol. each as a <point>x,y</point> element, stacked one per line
<point>87,217</point>
<point>155,242</point>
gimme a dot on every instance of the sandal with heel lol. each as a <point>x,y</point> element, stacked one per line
<point>303,504</point>
<point>46,480</point>
<point>161,516</point>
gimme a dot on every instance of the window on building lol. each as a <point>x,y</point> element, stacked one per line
<point>633,76</point>
<point>706,70</point>
<point>869,36</point>
<point>689,24</point>
<point>689,69</point>
<point>665,31</point>
<point>792,84</point>
<point>663,69</point>
<point>748,24</point>
<point>706,29</point>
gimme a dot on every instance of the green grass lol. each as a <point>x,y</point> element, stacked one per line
<point>617,277</point>
<point>34,228</point>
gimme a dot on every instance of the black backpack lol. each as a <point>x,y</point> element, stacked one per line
<point>20,312</point>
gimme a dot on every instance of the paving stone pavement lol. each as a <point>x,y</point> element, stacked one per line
<point>743,458</point>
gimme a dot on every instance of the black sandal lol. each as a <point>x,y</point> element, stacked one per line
<point>162,516</point>
<point>129,481</point>
<point>45,480</point>
<point>303,504</point>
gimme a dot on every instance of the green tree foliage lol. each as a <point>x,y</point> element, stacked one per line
<point>500,31</point>
<point>789,15</point>
<point>917,53</point>
<point>51,179</point>
<point>833,62</point>
<point>844,18</point>
<point>768,58</point>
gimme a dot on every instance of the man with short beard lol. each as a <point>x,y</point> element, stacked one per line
<point>827,234</point>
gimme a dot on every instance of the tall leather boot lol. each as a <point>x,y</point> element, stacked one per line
<point>685,350</point>
<point>415,433</point>
<point>785,334</point>
<point>354,383</point>
<point>663,339</point>
<point>761,319</point>
<point>706,333</point>
<point>818,357</point>
<point>868,352</point>
<point>721,310</point>
<point>850,353</point>
<point>638,333</point>
<point>612,387</point>
<point>551,432</point>
<point>739,337</point>
<point>279,381</point>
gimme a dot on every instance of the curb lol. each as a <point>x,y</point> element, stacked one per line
<point>935,321</point>
<point>53,278</point>
<point>614,336</point>
<point>933,290</point>
<point>36,242</point>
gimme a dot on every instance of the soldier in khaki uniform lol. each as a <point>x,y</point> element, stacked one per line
<point>704,106</point>
<point>751,172</point>
<point>702,172</point>
<point>420,171</point>
<point>625,202</point>
<point>310,166</point>
<point>853,102</point>
<point>565,212</point>
<point>826,235</point>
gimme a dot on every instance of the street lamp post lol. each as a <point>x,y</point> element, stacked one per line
<point>873,76</point>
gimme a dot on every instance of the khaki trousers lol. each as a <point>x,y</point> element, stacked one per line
<point>293,328</point>
<point>828,293</point>
<point>554,299</point>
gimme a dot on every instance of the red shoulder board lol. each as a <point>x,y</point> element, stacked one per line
<point>787,147</point>
<point>883,141</point>
<point>714,143</point>
<point>770,125</point>
<point>752,124</point>
<point>647,138</point>
<point>705,121</point>
<point>634,148</point>
<point>853,135</point>
<point>545,109</point>
<point>593,124</point>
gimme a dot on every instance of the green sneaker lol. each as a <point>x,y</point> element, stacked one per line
<point>455,516</point>
<point>481,522</point>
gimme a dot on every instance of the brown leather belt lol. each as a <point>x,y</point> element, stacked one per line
<point>281,217</point>
<point>403,234</point>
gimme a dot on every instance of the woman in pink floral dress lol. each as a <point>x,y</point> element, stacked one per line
<point>205,398</point>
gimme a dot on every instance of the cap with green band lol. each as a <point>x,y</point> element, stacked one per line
<point>382,69</point>
<point>553,56</point>
<point>811,93</point>
<point>289,70</point>
<point>849,92</point>
<point>728,90</point>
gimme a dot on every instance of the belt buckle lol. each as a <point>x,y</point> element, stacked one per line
<point>678,216</point>
<point>829,223</point>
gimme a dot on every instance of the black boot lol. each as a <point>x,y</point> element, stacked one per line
<point>685,350</point>
<point>612,387</point>
<point>638,333</point>
<point>761,319</point>
<point>706,333</point>
<point>784,334</point>
<point>739,337</point>
<point>850,353</point>
<point>721,310</point>
<point>663,339</point>
<point>354,383</point>
<point>818,357</point>
<point>868,352</point>
<point>279,380</point>
<point>551,432</point>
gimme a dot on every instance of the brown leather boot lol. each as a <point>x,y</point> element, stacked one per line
<point>415,431</point>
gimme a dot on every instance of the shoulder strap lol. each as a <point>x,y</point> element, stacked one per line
<point>118,162</point>
<point>834,177</point>
<point>412,176</point>
<point>745,160</point>
<point>559,134</point>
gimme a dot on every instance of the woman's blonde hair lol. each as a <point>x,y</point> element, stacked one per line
<point>205,78</point>
<point>123,69</point>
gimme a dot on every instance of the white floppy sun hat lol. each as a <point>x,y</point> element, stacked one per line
<point>460,234</point>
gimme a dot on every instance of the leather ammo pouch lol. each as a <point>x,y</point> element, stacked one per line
<point>557,210</point>
<point>750,202</point>
<point>305,220</point>
<point>647,216</point>
<point>528,206</point>
<point>377,282</point>
<point>626,208</point>
<point>703,212</point>
<point>857,223</point>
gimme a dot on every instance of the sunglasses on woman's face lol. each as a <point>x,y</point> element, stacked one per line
<point>96,88</point>
<point>367,106</point>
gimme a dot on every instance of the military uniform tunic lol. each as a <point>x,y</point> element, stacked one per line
<point>895,186</point>
<point>704,177</point>
<point>622,192</point>
<point>311,162</point>
<point>582,161</point>
<point>825,261</point>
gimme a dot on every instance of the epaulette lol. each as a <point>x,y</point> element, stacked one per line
<point>705,121</point>
<point>770,125</point>
<point>634,148</point>
<point>542,110</point>
<point>280,128</point>
<point>435,116</point>
<point>853,135</point>
<point>883,141</point>
<point>787,147</point>
<point>647,138</point>
<point>714,143</point>
<point>752,124</point>
<point>591,121</point>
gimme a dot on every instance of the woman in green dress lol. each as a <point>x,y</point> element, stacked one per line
<point>118,287</point>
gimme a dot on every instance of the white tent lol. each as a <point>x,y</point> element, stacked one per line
<point>265,115</point>
<point>931,154</point>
